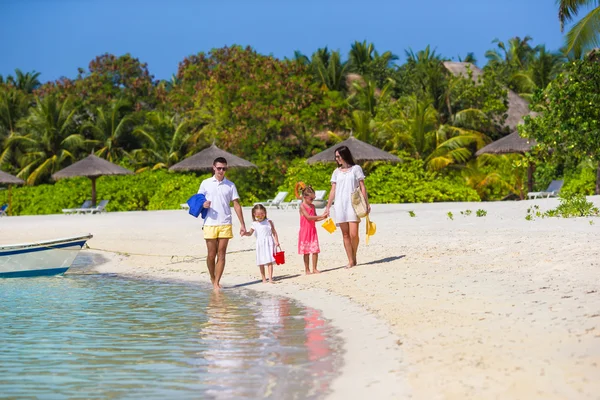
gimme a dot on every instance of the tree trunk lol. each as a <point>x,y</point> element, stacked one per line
<point>530,170</point>
<point>93,191</point>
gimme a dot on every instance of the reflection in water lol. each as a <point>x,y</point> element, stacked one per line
<point>115,338</point>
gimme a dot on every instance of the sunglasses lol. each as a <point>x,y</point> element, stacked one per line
<point>221,168</point>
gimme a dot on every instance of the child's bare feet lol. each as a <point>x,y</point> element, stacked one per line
<point>264,280</point>
<point>316,271</point>
<point>307,271</point>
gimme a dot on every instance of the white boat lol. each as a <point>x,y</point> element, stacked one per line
<point>50,257</point>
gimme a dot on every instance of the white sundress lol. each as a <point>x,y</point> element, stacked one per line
<point>345,183</point>
<point>265,245</point>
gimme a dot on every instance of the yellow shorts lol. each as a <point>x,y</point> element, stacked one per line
<point>218,232</point>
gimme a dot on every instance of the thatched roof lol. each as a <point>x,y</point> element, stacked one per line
<point>91,167</point>
<point>512,143</point>
<point>517,106</point>
<point>360,150</point>
<point>10,179</point>
<point>204,160</point>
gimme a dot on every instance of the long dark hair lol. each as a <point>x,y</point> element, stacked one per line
<point>346,155</point>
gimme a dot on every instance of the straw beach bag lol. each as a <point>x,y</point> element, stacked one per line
<point>359,204</point>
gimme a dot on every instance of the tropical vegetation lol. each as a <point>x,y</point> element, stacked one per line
<point>278,112</point>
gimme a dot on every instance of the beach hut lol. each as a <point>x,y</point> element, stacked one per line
<point>204,159</point>
<point>91,167</point>
<point>8,179</point>
<point>361,151</point>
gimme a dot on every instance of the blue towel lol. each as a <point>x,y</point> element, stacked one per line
<point>196,203</point>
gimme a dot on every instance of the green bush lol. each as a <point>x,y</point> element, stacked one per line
<point>149,190</point>
<point>317,175</point>
<point>582,183</point>
<point>408,182</point>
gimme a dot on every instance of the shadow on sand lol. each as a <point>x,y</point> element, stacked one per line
<point>275,278</point>
<point>374,262</point>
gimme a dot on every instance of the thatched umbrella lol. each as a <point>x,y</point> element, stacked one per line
<point>92,167</point>
<point>8,179</point>
<point>204,159</point>
<point>360,150</point>
<point>512,143</point>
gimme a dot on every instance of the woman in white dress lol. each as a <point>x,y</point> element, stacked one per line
<point>345,179</point>
<point>266,240</point>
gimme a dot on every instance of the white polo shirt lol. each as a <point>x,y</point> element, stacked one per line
<point>220,194</point>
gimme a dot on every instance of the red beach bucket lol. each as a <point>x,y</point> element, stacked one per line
<point>279,256</point>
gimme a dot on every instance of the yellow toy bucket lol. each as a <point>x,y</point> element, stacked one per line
<point>329,225</point>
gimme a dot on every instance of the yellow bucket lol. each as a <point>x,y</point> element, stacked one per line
<point>329,225</point>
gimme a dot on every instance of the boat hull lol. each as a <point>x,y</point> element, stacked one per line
<point>52,257</point>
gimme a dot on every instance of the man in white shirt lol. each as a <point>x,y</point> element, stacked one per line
<point>219,192</point>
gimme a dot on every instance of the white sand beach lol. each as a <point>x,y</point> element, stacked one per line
<point>493,307</point>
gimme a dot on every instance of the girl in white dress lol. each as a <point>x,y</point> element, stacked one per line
<point>266,240</point>
<point>344,180</point>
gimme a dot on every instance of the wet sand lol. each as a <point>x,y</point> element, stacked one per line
<point>438,308</point>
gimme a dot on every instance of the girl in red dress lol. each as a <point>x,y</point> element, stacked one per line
<point>308,241</point>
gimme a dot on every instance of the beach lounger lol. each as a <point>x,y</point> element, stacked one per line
<point>278,201</point>
<point>319,201</point>
<point>86,204</point>
<point>3,210</point>
<point>101,207</point>
<point>294,204</point>
<point>552,191</point>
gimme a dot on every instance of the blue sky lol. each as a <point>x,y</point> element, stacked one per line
<point>55,37</point>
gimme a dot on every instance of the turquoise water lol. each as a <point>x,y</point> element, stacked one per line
<point>98,337</point>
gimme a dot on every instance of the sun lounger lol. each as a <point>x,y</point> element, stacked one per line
<point>3,210</point>
<point>86,204</point>
<point>278,201</point>
<point>552,191</point>
<point>101,207</point>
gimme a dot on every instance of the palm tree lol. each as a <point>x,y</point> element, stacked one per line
<point>111,129</point>
<point>301,58</point>
<point>50,140</point>
<point>414,127</point>
<point>14,105</point>
<point>430,77</point>
<point>586,33</point>
<point>328,69</point>
<point>544,66</point>
<point>26,82</point>
<point>469,58</point>
<point>517,53</point>
<point>168,138</point>
<point>365,95</point>
<point>458,140</point>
